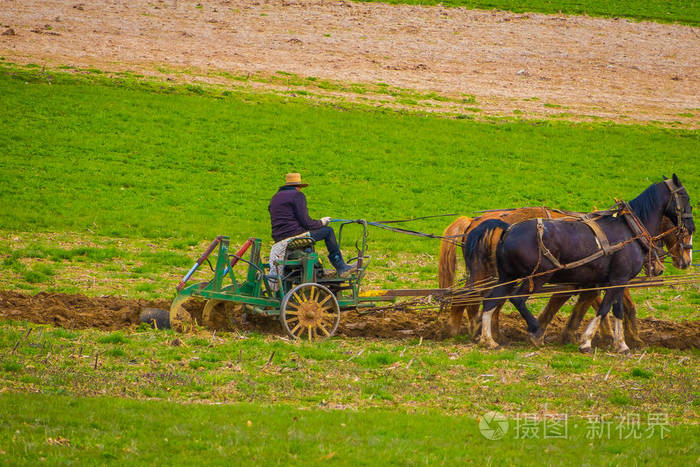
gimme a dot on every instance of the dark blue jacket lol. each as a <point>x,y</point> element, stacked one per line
<point>289,214</point>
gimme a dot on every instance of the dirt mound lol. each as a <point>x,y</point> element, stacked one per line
<point>74,311</point>
<point>110,313</point>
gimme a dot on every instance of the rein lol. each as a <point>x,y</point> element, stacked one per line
<point>415,233</point>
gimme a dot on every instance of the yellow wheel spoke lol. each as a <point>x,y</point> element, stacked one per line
<point>330,319</point>
<point>309,295</point>
<point>300,331</point>
<point>325,300</point>
<point>312,310</point>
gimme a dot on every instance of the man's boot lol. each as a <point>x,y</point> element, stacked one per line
<point>343,270</point>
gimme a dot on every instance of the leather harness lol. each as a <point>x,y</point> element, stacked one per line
<point>624,210</point>
<point>604,247</point>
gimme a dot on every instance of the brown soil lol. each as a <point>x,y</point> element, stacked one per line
<point>74,311</point>
<point>615,69</point>
<point>112,313</point>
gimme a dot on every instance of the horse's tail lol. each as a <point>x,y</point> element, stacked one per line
<point>447,262</point>
<point>480,248</point>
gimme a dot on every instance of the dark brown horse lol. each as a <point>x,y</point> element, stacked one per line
<point>604,254</point>
<point>463,225</point>
<point>680,249</point>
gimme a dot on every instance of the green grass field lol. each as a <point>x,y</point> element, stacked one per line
<point>682,11</point>
<point>94,397</point>
<point>125,162</point>
<point>115,186</point>
<point>59,429</point>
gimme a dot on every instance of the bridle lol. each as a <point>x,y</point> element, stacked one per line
<point>680,228</point>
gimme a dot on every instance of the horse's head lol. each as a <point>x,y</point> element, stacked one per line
<point>678,244</point>
<point>678,215</point>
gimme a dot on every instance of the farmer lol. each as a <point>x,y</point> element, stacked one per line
<point>290,217</point>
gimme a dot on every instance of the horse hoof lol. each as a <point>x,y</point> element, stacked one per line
<point>636,343</point>
<point>567,338</point>
<point>537,341</point>
<point>585,349</point>
<point>489,344</point>
<point>623,350</point>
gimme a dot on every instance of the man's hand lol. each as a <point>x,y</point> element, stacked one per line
<point>326,220</point>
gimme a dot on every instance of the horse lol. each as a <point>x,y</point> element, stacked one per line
<point>448,261</point>
<point>681,252</point>
<point>602,253</point>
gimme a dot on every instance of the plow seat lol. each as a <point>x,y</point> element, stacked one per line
<point>304,244</point>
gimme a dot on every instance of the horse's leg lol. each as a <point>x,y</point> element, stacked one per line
<point>473,316</point>
<point>454,321</point>
<point>584,302</point>
<point>619,337</point>
<point>490,305</point>
<point>534,331</point>
<point>486,338</point>
<point>496,323</point>
<point>611,296</point>
<point>630,320</point>
<point>551,309</point>
<point>606,329</point>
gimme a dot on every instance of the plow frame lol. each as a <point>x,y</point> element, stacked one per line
<point>255,289</point>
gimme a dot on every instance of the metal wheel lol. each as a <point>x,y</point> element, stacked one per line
<point>209,309</point>
<point>180,318</point>
<point>310,311</point>
<point>218,314</point>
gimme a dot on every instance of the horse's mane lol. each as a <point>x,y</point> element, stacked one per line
<point>645,203</point>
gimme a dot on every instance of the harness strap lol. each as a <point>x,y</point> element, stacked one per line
<point>587,259</point>
<point>671,186</point>
<point>545,251</point>
<point>637,228</point>
<point>674,198</point>
<point>599,235</point>
<point>604,246</point>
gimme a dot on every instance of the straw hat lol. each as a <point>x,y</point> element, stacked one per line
<point>294,179</point>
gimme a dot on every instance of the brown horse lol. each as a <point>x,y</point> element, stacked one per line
<point>463,225</point>
<point>448,259</point>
